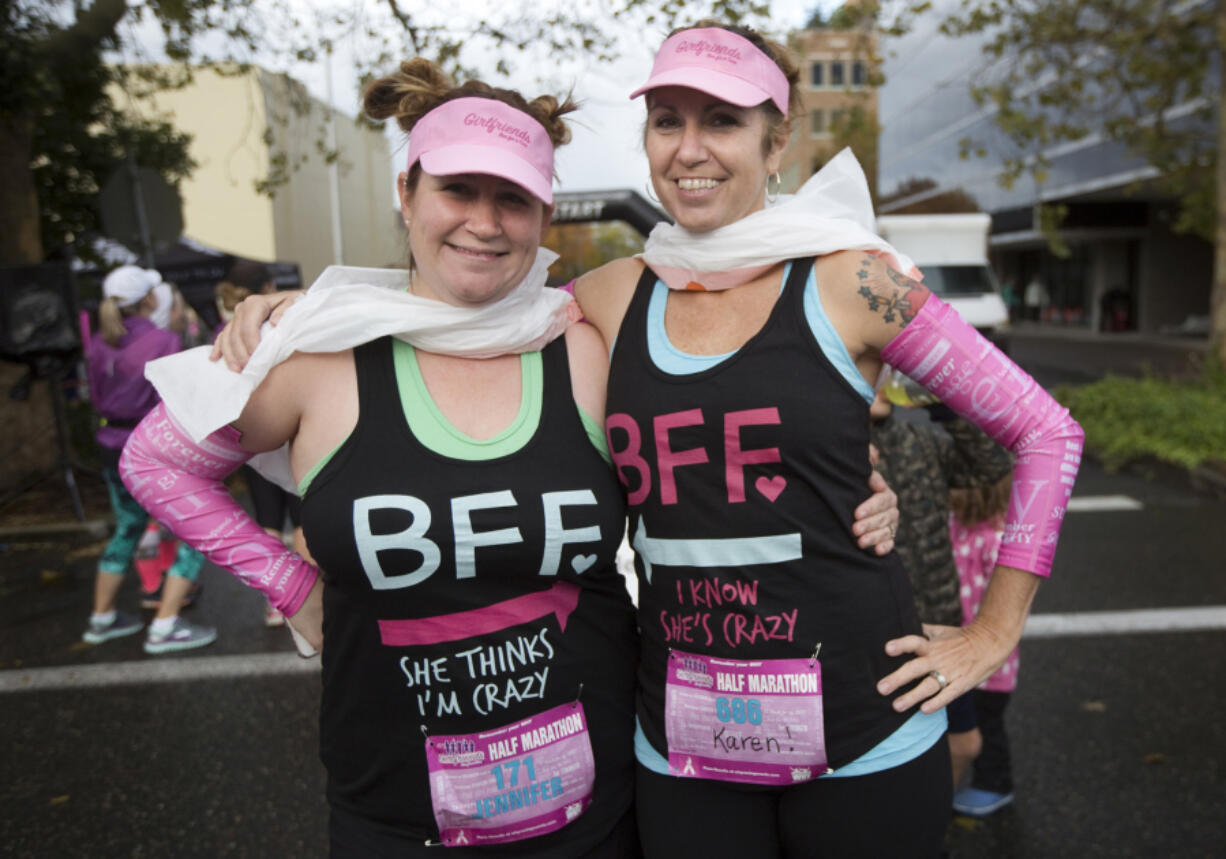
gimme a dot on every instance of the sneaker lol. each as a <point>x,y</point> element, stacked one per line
<point>122,624</point>
<point>182,636</point>
<point>273,618</point>
<point>974,802</point>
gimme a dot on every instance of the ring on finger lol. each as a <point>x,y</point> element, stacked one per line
<point>939,677</point>
<point>893,530</point>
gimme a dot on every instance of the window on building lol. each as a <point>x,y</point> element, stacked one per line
<point>836,74</point>
<point>836,117</point>
<point>817,122</point>
<point>859,75</point>
<point>815,74</point>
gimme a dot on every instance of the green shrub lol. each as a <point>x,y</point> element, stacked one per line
<point>1182,423</point>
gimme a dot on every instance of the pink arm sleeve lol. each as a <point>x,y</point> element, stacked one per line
<point>180,483</point>
<point>947,356</point>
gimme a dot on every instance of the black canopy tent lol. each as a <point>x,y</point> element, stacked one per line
<point>195,268</point>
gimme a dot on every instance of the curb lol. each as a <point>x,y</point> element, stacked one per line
<point>1211,477</point>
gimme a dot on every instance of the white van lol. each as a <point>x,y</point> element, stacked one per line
<point>952,252</point>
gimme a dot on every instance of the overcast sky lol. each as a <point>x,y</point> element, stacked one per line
<point>605,152</point>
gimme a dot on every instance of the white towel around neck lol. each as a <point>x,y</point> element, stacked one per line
<point>347,307</point>
<point>833,211</point>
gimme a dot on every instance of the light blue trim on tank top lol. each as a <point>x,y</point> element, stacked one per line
<point>672,360</point>
<point>916,736</point>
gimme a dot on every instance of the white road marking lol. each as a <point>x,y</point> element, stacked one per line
<point>1125,622</point>
<point>161,671</point>
<point>1103,504</point>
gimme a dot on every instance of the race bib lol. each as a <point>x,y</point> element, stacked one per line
<point>519,781</point>
<point>757,722</point>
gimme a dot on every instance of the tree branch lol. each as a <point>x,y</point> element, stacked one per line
<point>94,25</point>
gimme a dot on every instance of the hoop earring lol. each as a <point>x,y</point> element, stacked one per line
<point>771,198</point>
<point>650,196</point>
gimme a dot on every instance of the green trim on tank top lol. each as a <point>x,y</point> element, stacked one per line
<point>438,434</point>
<point>413,391</point>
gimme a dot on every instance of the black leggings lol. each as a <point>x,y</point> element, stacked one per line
<point>900,812</point>
<point>994,766</point>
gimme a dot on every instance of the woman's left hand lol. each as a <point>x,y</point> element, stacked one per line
<point>877,518</point>
<point>961,656</point>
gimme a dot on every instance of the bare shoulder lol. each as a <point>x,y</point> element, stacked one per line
<point>589,368</point>
<point>867,298</point>
<point>304,383</point>
<point>619,269</point>
<point>604,294</point>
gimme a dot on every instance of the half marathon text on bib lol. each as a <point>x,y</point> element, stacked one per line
<point>758,722</point>
<point>518,781</point>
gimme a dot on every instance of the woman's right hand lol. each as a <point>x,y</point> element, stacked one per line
<point>241,335</point>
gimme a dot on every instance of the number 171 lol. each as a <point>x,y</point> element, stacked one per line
<point>512,768</point>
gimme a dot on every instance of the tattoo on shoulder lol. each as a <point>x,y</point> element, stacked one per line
<point>895,296</point>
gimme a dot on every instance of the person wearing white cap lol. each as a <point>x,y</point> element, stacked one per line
<point>128,340</point>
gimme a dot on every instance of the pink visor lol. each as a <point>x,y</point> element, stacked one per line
<point>482,135</point>
<point>719,63</point>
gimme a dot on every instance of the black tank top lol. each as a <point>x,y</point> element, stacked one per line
<point>742,482</point>
<point>382,518</point>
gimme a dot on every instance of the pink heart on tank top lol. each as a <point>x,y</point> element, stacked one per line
<point>581,563</point>
<point>772,487</point>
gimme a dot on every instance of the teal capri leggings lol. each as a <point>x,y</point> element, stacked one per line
<point>130,521</point>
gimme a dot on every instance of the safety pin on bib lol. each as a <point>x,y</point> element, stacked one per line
<point>813,658</point>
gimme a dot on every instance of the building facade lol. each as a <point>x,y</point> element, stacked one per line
<point>247,127</point>
<point>836,71</point>
<point>1126,269</point>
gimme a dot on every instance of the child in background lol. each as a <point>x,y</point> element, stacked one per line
<point>922,459</point>
<point>976,526</point>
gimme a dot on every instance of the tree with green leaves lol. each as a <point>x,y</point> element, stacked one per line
<point>61,134</point>
<point>1147,74</point>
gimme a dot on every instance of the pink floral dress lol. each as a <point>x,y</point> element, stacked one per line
<point>975,555</point>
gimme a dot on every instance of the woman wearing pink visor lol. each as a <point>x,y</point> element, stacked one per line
<point>789,702</point>
<point>446,437</point>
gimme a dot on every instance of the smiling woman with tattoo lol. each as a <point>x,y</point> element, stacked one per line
<point>796,708</point>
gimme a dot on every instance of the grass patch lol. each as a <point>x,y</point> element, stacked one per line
<point>1179,422</point>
